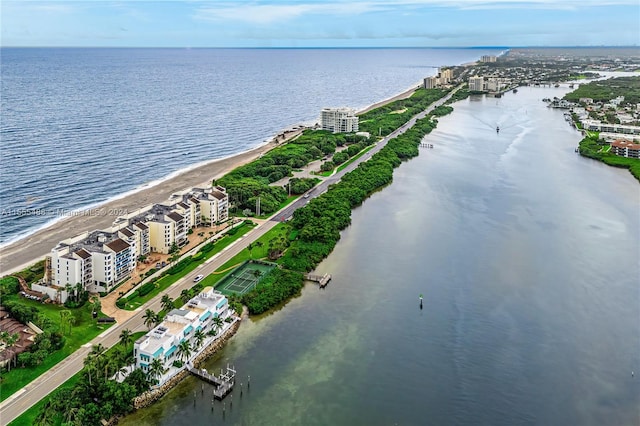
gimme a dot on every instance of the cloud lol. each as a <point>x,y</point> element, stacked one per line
<point>270,13</point>
<point>266,13</point>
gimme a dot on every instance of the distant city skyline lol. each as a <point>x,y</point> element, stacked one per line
<point>316,23</point>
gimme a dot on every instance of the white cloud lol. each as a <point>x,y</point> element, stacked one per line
<point>269,13</point>
<point>266,13</point>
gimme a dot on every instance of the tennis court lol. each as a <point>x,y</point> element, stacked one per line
<point>245,277</point>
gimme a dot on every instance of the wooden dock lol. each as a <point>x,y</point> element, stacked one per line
<point>322,280</point>
<point>223,384</point>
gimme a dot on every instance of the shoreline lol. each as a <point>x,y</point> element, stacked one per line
<point>33,247</point>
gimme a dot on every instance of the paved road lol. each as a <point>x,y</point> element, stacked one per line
<point>49,381</point>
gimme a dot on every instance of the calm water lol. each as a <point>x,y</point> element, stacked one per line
<point>527,255</point>
<point>80,126</point>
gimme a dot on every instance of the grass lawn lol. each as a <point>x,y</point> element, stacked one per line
<point>167,280</point>
<point>281,230</point>
<point>84,330</point>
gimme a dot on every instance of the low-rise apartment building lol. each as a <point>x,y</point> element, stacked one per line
<point>599,126</point>
<point>625,148</point>
<point>96,260</point>
<point>180,325</point>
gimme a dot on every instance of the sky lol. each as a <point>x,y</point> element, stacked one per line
<point>313,23</point>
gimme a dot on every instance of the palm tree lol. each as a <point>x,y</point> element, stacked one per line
<point>167,303</point>
<point>125,337</point>
<point>250,247</point>
<point>185,296</point>
<point>156,370</point>
<point>91,360</point>
<point>217,324</point>
<point>184,350</point>
<point>199,336</point>
<point>149,317</point>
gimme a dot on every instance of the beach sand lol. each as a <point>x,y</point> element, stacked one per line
<point>31,249</point>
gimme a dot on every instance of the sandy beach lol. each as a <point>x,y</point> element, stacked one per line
<point>27,251</point>
<point>31,249</point>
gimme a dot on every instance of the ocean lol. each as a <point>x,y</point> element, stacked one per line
<point>80,126</point>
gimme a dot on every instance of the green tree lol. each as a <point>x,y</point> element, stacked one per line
<point>156,370</point>
<point>199,336</point>
<point>150,318</point>
<point>184,350</point>
<point>167,303</point>
<point>125,337</point>
<point>217,324</point>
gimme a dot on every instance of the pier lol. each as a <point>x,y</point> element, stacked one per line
<point>223,384</point>
<point>322,280</point>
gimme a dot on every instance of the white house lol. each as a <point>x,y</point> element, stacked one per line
<point>180,325</point>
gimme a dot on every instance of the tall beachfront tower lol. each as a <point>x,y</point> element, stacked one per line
<point>339,120</point>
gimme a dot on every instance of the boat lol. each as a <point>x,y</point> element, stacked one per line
<point>497,129</point>
<point>515,90</point>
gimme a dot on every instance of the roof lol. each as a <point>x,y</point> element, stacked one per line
<point>128,232</point>
<point>141,226</point>
<point>219,195</point>
<point>83,253</point>
<point>625,144</point>
<point>118,245</point>
<point>175,216</point>
<point>183,205</point>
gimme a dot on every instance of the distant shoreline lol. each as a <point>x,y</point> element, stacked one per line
<point>29,249</point>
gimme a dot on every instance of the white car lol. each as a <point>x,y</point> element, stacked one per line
<point>198,278</point>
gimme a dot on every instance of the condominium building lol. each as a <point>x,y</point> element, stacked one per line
<point>431,82</point>
<point>488,58</point>
<point>339,120</point>
<point>598,126</point>
<point>444,76</point>
<point>213,203</point>
<point>476,84</point>
<point>625,148</point>
<point>179,325</point>
<point>167,226</point>
<point>96,260</point>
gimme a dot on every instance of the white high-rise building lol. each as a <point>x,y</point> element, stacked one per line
<point>339,120</point>
<point>476,84</point>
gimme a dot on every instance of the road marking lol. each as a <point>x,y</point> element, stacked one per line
<point>14,396</point>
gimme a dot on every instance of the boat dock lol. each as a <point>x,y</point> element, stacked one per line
<point>322,280</point>
<point>223,384</point>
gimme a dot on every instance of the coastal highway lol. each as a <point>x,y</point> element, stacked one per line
<point>287,212</point>
<point>22,400</point>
